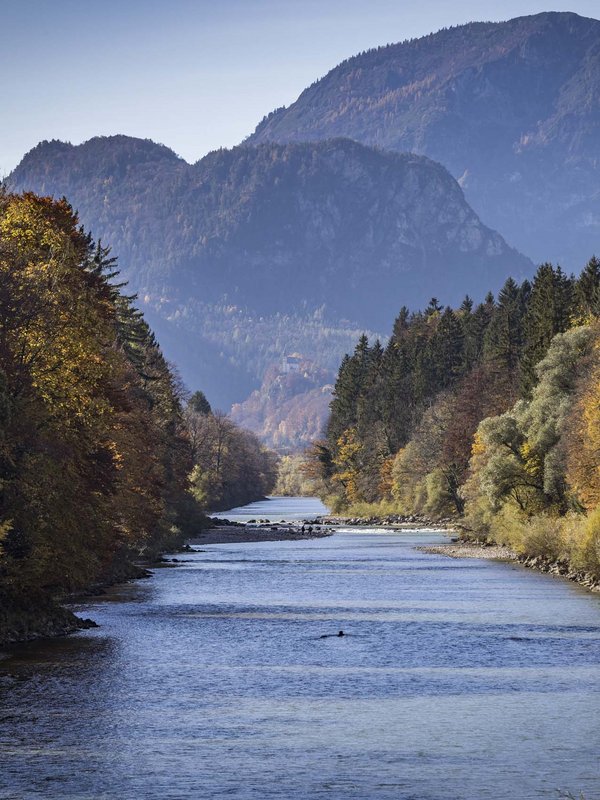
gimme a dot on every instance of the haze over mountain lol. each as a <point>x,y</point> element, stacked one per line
<point>512,109</point>
<point>260,251</point>
<point>278,228</point>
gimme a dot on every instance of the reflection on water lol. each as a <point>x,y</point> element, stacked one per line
<point>458,680</point>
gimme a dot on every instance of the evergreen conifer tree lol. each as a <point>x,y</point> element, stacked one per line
<point>503,340</point>
<point>549,312</point>
<point>587,290</point>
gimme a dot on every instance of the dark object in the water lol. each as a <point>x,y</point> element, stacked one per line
<point>334,635</point>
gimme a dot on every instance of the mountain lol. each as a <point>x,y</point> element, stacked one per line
<point>291,407</point>
<point>512,109</point>
<point>257,252</point>
<point>278,228</point>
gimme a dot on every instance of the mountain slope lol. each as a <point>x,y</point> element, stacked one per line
<point>512,109</point>
<point>258,252</point>
<point>290,409</point>
<point>278,227</point>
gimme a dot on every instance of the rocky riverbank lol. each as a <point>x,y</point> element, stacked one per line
<point>466,549</point>
<point>461,549</point>
<point>29,618</point>
<point>224,531</point>
<point>25,622</point>
<point>562,569</point>
<point>399,521</point>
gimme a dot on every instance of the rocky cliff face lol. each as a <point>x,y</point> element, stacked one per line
<point>512,109</point>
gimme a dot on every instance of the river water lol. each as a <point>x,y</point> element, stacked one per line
<point>458,680</point>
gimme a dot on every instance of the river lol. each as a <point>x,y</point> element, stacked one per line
<point>458,680</point>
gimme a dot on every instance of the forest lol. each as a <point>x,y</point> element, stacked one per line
<point>488,414</point>
<point>104,459</point>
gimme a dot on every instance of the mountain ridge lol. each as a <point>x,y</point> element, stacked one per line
<point>256,252</point>
<point>512,109</point>
<point>241,214</point>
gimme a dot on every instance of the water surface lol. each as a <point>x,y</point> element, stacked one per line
<point>277,509</point>
<point>458,680</point>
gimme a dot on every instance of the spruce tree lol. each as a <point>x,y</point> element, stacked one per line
<point>587,290</point>
<point>445,352</point>
<point>199,403</point>
<point>503,340</point>
<point>549,312</point>
<point>350,383</point>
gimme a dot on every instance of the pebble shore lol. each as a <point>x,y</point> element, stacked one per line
<point>471,550</point>
<point>224,531</point>
<point>225,534</point>
<point>503,553</point>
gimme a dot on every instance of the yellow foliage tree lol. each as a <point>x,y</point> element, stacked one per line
<point>348,464</point>
<point>582,433</point>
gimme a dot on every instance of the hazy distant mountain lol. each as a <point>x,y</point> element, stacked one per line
<point>278,228</point>
<point>290,408</point>
<point>258,251</point>
<point>512,109</point>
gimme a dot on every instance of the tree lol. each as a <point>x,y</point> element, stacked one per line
<point>587,292</point>
<point>581,432</point>
<point>518,456</point>
<point>504,339</point>
<point>199,403</point>
<point>549,312</point>
<point>93,455</point>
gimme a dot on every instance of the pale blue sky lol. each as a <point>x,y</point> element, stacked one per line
<point>193,74</point>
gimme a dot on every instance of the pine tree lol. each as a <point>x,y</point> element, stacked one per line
<point>549,312</point>
<point>503,340</point>
<point>446,352</point>
<point>587,291</point>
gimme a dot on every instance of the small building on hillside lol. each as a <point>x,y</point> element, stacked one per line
<point>291,363</point>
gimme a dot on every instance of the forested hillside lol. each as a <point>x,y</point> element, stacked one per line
<point>97,466</point>
<point>487,413</point>
<point>231,466</point>
<point>240,252</point>
<point>512,109</point>
<point>289,410</point>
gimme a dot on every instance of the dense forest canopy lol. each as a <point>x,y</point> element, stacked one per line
<point>485,413</point>
<point>97,463</point>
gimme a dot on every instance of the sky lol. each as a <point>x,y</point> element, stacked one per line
<point>193,74</point>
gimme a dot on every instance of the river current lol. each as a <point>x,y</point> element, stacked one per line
<point>457,680</point>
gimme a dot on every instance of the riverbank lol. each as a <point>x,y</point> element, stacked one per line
<point>26,619</point>
<point>460,549</point>
<point>234,534</point>
<point>409,522</point>
<point>26,622</point>
<point>496,552</point>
